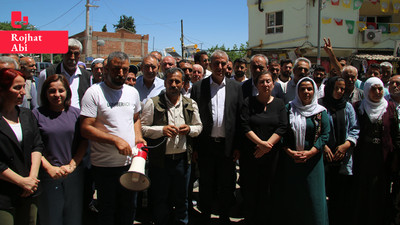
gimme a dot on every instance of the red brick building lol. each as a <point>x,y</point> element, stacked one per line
<point>103,43</point>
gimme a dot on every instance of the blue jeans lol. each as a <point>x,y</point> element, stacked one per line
<point>116,204</point>
<point>168,190</point>
<point>61,199</point>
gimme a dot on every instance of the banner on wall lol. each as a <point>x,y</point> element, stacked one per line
<point>350,26</point>
<point>346,3</point>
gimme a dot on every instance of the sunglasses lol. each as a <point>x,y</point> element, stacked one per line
<point>131,79</point>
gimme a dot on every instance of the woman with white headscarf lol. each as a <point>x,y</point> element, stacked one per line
<point>374,155</point>
<point>302,190</point>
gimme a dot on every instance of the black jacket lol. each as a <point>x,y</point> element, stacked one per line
<point>16,156</point>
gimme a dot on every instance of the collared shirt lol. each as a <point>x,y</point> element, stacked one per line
<point>290,92</point>
<point>218,107</point>
<point>187,93</point>
<point>321,91</point>
<point>73,84</point>
<point>176,144</point>
<point>207,74</point>
<point>147,93</point>
<point>355,96</point>
<point>283,84</point>
<point>245,78</point>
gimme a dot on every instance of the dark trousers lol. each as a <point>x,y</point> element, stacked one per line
<point>217,179</point>
<point>116,204</point>
<point>169,190</point>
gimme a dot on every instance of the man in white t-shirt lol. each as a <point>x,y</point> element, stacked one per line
<point>110,119</point>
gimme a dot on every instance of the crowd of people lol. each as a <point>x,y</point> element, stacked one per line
<point>313,147</point>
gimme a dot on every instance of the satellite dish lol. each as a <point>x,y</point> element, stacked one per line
<point>101,42</point>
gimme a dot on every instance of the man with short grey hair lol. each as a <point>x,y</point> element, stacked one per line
<point>386,73</point>
<point>28,68</point>
<point>149,85</point>
<point>220,100</point>
<point>198,73</point>
<point>8,63</point>
<point>166,63</point>
<point>79,79</point>
<point>301,69</point>
<point>352,94</point>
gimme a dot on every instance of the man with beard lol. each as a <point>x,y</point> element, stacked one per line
<point>28,68</point>
<point>352,94</point>
<point>286,71</point>
<point>187,68</point>
<point>79,79</point>
<point>170,163</point>
<point>258,64</point>
<point>149,85</point>
<point>275,68</point>
<point>229,69</point>
<point>319,76</point>
<point>301,69</point>
<point>97,67</point>
<point>198,73</point>
<point>240,68</point>
<point>110,120</point>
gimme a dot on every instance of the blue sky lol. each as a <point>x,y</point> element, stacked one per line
<point>206,23</point>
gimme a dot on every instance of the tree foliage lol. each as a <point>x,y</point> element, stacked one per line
<point>234,53</point>
<point>127,23</point>
<point>104,28</point>
<point>7,26</point>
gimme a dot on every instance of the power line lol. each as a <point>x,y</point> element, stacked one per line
<point>74,19</point>
<point>61,14</point>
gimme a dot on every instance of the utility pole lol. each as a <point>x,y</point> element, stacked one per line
<point>88,38</point>
<point>319,33</point>
<point>182,45</point>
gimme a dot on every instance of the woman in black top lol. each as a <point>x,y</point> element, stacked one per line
<point>264,121</point>
<point>20,153</point>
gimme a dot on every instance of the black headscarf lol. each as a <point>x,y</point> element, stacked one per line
<point>336,108</point>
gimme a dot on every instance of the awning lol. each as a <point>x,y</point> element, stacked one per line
<point>375,57</point>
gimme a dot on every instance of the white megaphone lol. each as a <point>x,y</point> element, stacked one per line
<point>135,178</point>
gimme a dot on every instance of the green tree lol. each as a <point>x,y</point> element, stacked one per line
<point>234,53</point>
<point>127,23</point>
<point>104,28</point>
<point>7,26</point>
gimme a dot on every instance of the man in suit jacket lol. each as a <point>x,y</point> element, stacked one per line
<point>79,79</point>
<point>220,101</point>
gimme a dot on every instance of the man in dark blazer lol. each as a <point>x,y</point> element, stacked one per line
<point>79,79</point>
<point>220,101</point>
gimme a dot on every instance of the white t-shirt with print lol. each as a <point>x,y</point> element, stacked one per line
<point>114,111</point>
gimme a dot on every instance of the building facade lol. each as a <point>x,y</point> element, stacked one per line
<point>103,43</point>
<point>289,28</point>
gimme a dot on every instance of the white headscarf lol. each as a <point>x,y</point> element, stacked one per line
<point>374,110</point>
<point>299,112</point>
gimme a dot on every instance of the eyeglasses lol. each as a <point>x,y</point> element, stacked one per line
<point>206,60</point>
<point>302,68</point>
<point>229,68</point>
<point>130,79</point>
<point>190,69</point>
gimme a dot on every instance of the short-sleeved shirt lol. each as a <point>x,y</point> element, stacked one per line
<point>114,110</point>
<point>60,131</point>
<point>147,93</point>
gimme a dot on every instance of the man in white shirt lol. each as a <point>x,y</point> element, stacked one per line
<point>79,79</point>
<point>286,71</point>
<point>170,163</point>
<point>240,69</point>
<point>149,85</point>
<point>220,100</point>
<point>110,119</point>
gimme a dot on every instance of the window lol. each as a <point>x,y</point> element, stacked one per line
<point>274,22</point>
